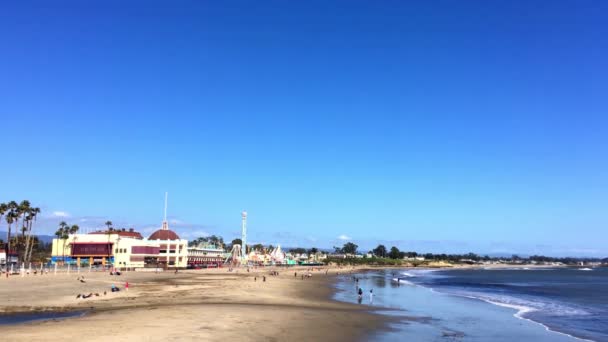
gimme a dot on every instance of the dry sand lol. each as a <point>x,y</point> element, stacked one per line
<point>203,304</point>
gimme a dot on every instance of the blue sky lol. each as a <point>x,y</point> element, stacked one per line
<point>443,126</point>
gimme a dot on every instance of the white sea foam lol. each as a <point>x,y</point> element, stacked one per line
<point>522,310</point>
<point>524,307</point>
<point>403,281</point>
<point>585,269</point>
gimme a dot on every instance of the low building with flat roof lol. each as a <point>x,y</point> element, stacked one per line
<point>206,255</point>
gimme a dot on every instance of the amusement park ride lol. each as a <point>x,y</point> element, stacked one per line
<point>238,255</point>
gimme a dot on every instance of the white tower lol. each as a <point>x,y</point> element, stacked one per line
<point>244,235</point>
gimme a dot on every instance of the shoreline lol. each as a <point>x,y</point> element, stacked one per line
<point>520,310</point>
<point>213,304</point>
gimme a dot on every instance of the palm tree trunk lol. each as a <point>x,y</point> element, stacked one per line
<point>8,248</point>
<point>29,256</point>
<point>27,241</point>
<point>17,226</point>
<point>29,245</point>
<point>25,238</point>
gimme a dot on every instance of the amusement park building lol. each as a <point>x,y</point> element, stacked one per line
<point>120,248</point>
<point>206,255</point>
<point>173,251</point>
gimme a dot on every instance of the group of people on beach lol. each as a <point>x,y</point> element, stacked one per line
<point>306,275</point>
<point>360,292</point>
<point>113,288</point>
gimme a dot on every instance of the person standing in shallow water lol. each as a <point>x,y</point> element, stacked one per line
<point>371,296</point>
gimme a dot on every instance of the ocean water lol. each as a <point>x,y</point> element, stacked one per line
<point>565,304</point>
<point>18,318</point>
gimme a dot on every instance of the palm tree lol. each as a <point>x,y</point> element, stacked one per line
<point>10,219</point>
<point>30,241</point>
<point>73,229</point>
<point>62,233</point>
<point>109,224</point>
<point>25,211</point>
<point>3,210</point>
<point>20,211</point>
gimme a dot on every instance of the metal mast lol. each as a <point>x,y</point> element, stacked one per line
<point>244,236</point>
<point>165,223</point>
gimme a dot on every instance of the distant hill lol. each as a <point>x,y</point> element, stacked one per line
<point>43,238</point>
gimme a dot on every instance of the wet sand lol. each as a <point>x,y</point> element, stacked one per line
<point>210,304</point>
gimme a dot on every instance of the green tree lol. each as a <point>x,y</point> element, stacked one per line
<point>380,251</point>
<point>3,211</point>
<point>74,229</point>
<point>33,213</point>
<point>394,253</point>
<point>109,233</point>
<point>258,247</point>
<point>349,248</point>
<point>236,242</point>
<point>11,217</point>
<point>62,234</point>
<point>313,250</point>
<point>298,250</point>
<point>218,241</point>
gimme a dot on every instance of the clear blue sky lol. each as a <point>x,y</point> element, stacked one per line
<point>442,126</point>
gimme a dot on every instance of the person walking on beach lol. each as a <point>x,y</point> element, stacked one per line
<point>127,286</point>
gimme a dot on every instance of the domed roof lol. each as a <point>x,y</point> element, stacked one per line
<point>164,234</point>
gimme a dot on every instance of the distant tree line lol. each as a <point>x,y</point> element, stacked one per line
<point>395,253</point>
<point>384,255</point>
<point>348,248</point>
<point>300,250</point>
<point>218,241</point>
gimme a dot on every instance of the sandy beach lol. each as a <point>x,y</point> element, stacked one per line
<point>210,304</point>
